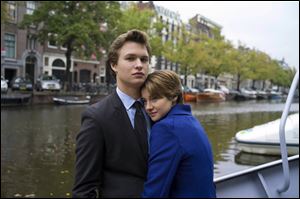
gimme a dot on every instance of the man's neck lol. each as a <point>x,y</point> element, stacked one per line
<point>130,91</point>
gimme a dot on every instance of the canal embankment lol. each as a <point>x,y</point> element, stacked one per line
<point>35,98</point>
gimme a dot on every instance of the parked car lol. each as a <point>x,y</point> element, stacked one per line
<point>4,86</point>
<point>46,82</point>
<point>21,84</point>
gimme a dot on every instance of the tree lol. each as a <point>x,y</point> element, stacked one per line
<point>74,25</point>
<point>145,20</point>
<point>134,18</point>
<point>282,76</point>
<point>217,50</point>
<point>260,67</point>
<point>4,12</point>
<point>240,61</point>
<point>183,51</point>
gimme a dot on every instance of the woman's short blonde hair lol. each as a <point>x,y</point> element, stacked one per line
<point>164,83</point>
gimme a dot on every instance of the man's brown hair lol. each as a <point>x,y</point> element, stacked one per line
<point>133,36</point>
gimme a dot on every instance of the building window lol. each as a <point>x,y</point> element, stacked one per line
<point>12,10</point>
<point>102,71</point>
<point>64,47</point>
<point>30,7</point>
<point>10,45</point>
<point>46,61</point>
<point>102,80</point>
<point>31,42</point>
<point>58,63</point>
<point>52,41</point>
<point>85,76</point>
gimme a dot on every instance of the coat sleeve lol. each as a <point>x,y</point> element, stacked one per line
<point>89,158</point>
<point>165,156</point>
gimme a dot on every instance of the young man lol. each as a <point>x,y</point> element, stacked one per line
<point>111,149</point>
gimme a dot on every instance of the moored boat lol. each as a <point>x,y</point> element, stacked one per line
<point>248,94</point>
<point>71,100</point>
<point>277,179</point>
<point>190,97</point>
<point>15,99</point>
<point>264,139</point>
<point>211,95</point>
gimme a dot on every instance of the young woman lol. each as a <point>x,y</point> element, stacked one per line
<point>180,163</point>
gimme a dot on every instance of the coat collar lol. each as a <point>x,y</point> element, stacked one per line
<point>180,109</point>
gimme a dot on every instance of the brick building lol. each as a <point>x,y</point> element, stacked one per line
<point>22,55</point>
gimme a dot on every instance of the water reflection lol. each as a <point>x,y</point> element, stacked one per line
<point>235,107</point>
<point>38,142</point>
<point>222,121</point>
<point>222,128</point>
<point>37,150</point>
<point>251,159</point>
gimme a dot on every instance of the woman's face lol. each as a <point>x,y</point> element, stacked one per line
<point>156,108</point>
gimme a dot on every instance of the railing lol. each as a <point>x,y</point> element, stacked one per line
<point>283,149</point>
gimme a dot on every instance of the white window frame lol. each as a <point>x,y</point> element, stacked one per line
<point>30,7</point>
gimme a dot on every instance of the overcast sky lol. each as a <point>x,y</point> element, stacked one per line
<point>272,27</point>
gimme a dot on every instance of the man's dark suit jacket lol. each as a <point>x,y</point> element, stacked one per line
<point>111,158</point>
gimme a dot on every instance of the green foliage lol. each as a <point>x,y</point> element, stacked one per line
<point>282,76</point>
<point>182,52</point>
<point>133,18</point>
<point>87,27</point>
<point>73,24</point>
<point>145,20</point>
<point>217,59</point>
<point>4,14</point>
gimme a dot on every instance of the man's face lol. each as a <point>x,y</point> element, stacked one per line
<point>132,66</point>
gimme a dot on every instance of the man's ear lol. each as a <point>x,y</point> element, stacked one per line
<point>114,67</point>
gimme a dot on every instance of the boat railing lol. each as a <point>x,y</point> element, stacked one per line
<point>263,180</point>
<point>285,164</point>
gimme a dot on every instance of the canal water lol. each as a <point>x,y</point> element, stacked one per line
<point>38,143</point>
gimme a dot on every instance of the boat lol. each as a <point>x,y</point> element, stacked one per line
<point>277,179</point>
<point>71,100</point>
<point>189,97</point>
<point>274,95</point>
<point>15,99</point>
<point>229,93</point>
<point>247,94</point>
<point>260,94</point>
<point>261,181</point>
<point>211,95</point>
<point>264,139</point>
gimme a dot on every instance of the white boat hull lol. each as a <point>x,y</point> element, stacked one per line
<point>264,139</point>
<point>70,101</point>
<point>267,148</point>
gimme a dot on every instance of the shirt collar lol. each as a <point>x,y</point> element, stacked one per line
<point>126,99</point>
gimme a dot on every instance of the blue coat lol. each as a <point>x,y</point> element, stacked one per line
<point>181,160</point>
